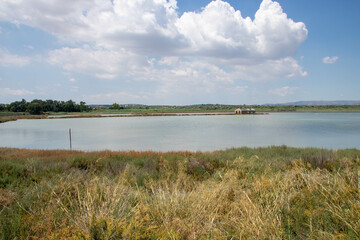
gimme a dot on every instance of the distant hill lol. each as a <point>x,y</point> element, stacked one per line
<point>317,103</point>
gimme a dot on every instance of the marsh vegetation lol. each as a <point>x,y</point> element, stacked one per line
<point>262,193</point>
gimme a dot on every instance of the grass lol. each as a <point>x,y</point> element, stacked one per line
<point>10,116</point>
<point>242,193</point>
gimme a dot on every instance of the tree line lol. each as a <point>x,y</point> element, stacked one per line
<point>38,106</point>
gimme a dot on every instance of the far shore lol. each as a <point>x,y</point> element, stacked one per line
<point>13,117</point>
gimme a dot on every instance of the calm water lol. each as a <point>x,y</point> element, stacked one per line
<point>324,130</point>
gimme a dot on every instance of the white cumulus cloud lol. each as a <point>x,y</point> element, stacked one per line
<point>147,40</point>
<point>330,60</point>
<point>220,31</point>
<point>153,26</point>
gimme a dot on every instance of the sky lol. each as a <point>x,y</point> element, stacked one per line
<point>180,52</point>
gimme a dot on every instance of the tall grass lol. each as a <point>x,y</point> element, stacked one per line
<point>7,117</point>
<point>244,193</point>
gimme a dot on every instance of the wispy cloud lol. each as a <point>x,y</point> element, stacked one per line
<point>330,60</point>
<point>15,92</point>
<point>119,97</point>
<point>283,92</point>
<point>74,88</point>
<point>7,59</point>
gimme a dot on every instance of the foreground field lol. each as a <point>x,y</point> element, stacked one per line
<point>262,193</point>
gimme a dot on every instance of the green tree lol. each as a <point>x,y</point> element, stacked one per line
<point>2,107</point>
<point>49,106</point>
<point>117,106</point>
<point>83,107</point>
<point>18,106</point>
<point>70,106</point>
<point>34,108</point>
<point>38,106</point>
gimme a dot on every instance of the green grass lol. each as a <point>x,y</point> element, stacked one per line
<point>261,193</point>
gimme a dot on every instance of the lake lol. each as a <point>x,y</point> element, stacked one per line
<point>205,133</point>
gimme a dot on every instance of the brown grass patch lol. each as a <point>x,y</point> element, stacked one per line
<point>6,197</point>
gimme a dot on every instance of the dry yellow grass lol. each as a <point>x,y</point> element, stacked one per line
<point>233,194</point>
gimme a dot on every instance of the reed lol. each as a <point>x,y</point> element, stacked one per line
<point>243,193</point>
<point>13,117</point>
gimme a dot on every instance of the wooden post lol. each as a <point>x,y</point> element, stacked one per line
<point>70,138</point>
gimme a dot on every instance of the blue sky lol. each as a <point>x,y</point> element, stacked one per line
<point>179,52</point>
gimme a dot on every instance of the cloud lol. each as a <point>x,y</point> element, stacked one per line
<point>74,88</point>
<point>283,92</point>
<point>135,40</point>
<point>270,70</point>
<point>72,80</point>
<point>54,16</point>
<point>142,25</point>
<point>119,97</point>
<point>15,92</point>
<point>174,75</point>
<point>153,26</point>
<point>330,60</point>
<point>96,62</point>
<point>123,65</point>
<point>272,35</point>
<point>9,60</point>
<point>237,89</point>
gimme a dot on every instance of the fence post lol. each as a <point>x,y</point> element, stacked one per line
<point>70,138</point>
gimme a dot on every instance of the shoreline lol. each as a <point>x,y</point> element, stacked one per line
<point>4,119</point>
<point>8,118</point>
<point>145,151</point>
